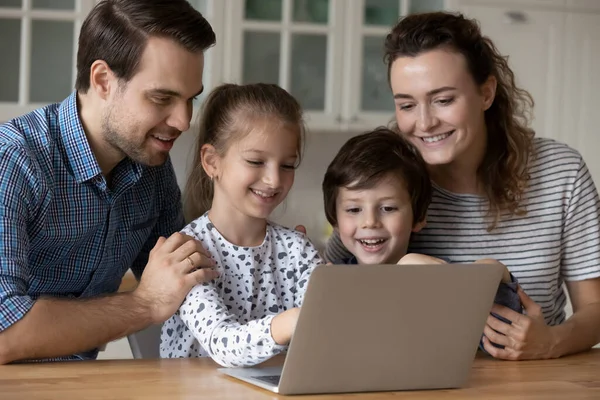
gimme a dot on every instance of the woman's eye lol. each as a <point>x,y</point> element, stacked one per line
<point>405,107</point>
<point>254,162</point>
<point>446,102</point>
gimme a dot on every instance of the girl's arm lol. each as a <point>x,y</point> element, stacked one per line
<point>284,324</point>
<point>228,341</point>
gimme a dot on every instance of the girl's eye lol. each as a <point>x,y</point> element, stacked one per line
<point>254,162</point>
<point>405,107</point>
<point>353,210</point>
<point>388,209</point>
<point>289,167</point>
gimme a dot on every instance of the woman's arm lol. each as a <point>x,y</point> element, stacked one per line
<point>582,330</point>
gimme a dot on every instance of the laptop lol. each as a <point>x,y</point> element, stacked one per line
<point>365,328</point>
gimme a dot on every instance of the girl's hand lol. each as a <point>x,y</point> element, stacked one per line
<point>283,325</point>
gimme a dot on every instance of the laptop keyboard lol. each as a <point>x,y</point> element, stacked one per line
<point>272,379</point>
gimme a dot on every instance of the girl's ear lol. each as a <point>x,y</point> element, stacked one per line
<point>210,160</point>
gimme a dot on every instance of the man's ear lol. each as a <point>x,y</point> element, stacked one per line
<point>102,79</point>
<point>210,161</point>
<point>488,91</point>
<point>419,225</point>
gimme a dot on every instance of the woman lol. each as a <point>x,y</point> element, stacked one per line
<point>498,191</point>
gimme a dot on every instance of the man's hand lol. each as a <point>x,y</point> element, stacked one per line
<point>175,265</point>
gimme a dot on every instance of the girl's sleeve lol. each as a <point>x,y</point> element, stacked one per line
<point>228,341</point>
<point>308,258</point>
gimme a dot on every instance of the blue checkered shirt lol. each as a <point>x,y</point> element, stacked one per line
<point>63,231</point>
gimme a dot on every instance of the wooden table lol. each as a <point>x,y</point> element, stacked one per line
<point>574,377</point>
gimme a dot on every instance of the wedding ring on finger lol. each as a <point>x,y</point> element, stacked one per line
<point>190,261</point>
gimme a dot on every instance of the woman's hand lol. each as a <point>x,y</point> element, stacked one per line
<point>527,338</point>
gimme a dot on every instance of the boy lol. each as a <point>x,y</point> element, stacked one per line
<point>376,193</point>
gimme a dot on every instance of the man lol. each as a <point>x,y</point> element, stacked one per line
<point>87,189</point>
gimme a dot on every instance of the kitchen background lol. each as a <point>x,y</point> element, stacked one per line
<point>327,53</point>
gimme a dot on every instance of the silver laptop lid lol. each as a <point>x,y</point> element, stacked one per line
<point>389,327</point>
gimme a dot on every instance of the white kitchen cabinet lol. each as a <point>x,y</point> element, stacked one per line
<point>327,53</point>
<point>583,5</point>
<point>581,87</point>
<point>553,51</point>
<point>531,4</point>
<point>533,39</point>
<point>38,43</point>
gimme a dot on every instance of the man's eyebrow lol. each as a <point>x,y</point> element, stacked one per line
<point>430,93</point>
<point>173,93</point>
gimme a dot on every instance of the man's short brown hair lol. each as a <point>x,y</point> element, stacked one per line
<point>117,31</point>
<point>366,159</point>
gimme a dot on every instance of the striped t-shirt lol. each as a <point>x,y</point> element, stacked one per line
<point>557,240</point>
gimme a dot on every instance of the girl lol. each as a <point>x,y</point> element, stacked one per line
<point>248,149</point>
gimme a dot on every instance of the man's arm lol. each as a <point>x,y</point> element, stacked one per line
<point>54,328</point>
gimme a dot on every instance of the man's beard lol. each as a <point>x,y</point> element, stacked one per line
<point>133,150</point>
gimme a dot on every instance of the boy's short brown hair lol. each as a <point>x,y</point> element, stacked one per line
<point>366,159</point>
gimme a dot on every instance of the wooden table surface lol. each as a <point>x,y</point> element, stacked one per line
<point>573,377</point>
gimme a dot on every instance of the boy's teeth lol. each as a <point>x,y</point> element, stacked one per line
<point>371,241</point>
<point>436,138</point>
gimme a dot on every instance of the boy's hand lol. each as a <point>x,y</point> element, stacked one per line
<point>419,259</point>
